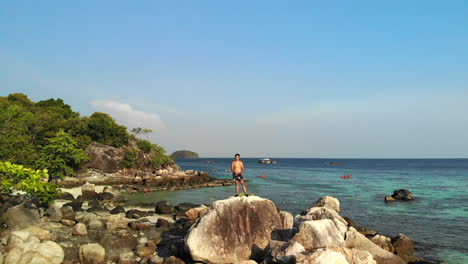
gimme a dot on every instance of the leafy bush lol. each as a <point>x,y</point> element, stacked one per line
<point>129,159</point>
<point>61,156</point>
<point>144,145</point>
<point>160,159</point>
<point>16,177</point>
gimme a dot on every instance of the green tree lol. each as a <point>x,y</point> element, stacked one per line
<point>35,182</point>
<point>61,156</point>
<point>15,138</point>
<point>103,129</point>
<point>160,158</point>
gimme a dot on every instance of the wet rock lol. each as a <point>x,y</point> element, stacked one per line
<point>403,195</point>
<point>80,230</point>
<point>54,213</point>
<point>404,247</point>
<point>141,225</point>
<point>118,209</point>
<point>328,202</point>
<point>92,254</point>
<point>389,198</point>
<point>241,222</point>
<point>163,207</point>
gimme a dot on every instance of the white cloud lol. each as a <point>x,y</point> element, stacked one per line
<point>126,115</point>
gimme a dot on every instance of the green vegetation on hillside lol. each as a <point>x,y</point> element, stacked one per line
<point>184,154</point>
<point>49,135</point>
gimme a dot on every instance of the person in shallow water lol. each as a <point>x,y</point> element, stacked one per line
<point>237,168</point>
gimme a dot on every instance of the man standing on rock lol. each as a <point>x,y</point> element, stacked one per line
<point>237,168</point>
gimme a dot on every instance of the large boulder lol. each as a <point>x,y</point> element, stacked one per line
<point>233,230</point>
<point>32,251</point>
<point>21,215</point>
<point>103,157</point>
<point>356,240</point>
<point>328,202</point>
<point>92,254</point>
<point>319,234</point>
<point>115,222</point>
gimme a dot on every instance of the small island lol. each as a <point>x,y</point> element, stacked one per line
<point>184,154</point>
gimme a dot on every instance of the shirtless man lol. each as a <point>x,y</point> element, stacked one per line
<point>237,168</point>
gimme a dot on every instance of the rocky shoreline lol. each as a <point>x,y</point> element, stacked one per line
<point>94,227</point>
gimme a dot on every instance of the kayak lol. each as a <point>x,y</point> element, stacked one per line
<point>346,176</point>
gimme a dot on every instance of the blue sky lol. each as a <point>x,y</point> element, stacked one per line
<point>263,78</point>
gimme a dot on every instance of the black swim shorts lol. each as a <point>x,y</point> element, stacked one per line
<point>237,177</point>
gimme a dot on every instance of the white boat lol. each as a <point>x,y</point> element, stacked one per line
<point>264,160</point>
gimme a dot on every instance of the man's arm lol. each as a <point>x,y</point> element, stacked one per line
<point>232,166</point>
<point>242,171</point>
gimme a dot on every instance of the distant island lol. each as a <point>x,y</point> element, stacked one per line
<point>184,154</point>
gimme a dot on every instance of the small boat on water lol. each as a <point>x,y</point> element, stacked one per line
<point>262,176</point>
<point>267,161</point>
<point>346,176</point>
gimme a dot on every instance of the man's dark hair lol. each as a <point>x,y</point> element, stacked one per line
<point>237,154</point>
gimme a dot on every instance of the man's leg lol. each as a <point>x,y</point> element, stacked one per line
<point>237,187</point>
<point>244,187</point>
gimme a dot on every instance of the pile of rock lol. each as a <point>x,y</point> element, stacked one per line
<point>236,230</point>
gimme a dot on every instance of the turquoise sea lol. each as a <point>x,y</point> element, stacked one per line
<point>437,220</point>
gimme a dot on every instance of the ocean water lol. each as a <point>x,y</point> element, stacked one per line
<point>437,220</point>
